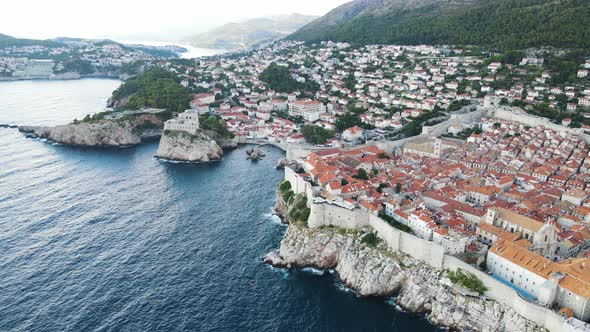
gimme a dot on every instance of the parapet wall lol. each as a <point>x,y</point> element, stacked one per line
<point>299,185</point>
<point>434,131</point>
<point>326,214</point>
<point>534,121</point>
<point>416,247</point>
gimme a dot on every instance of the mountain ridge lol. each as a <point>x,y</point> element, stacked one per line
<point>505,24</point>
<point>237,35</point>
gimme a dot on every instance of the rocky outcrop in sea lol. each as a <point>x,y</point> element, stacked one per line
<point>376,271</point>
<point>182,146</point>
<point>100,133</point>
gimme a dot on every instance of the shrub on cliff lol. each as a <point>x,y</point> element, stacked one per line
<point>216,125</point>
<point>371,240</point>
<point>287,196</point>
<point>299,212</point>
<point>467,280</point>
<point>284,186</point>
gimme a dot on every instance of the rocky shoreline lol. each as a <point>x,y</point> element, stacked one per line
<point>181,146</point>
<point>104,133</point>
<point>376,271</point>
<point>177,146</point>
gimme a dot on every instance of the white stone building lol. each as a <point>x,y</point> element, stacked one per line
<point>188,121</point>
<point>309,110</point>
<point>565,284</point>
<point>543,236</point>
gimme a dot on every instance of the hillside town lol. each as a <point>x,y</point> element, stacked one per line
<point>378,92</point>
<point>71,58</point>
<point>508,198</point>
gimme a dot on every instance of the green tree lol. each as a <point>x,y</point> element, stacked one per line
<point>155,87</point>
<point>361,174</point>
<point>398,188</point>
<point>316,134</point>
<point>347,120</point>
<point>278,78</point>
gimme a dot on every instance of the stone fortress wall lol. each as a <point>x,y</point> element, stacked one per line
<point>325,214</point>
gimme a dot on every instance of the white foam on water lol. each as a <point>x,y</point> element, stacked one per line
<point>392,301</point>
<point>311,270</point>
<point>342,287</point>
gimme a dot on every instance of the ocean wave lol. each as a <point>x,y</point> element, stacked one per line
<point>285,272</point>
<point>275,219</point>
<point>392,301</point>
<point>170,161</point>
<point>342,287</point>
<point>314,271</point>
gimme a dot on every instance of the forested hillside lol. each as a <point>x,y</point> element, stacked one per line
<point>505,24</point>
<point>155,87</point>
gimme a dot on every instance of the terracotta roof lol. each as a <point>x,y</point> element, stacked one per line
<point>500,233</point>
<point>575,272</point>
<point>518,219</point>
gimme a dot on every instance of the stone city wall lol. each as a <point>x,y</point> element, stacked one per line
<point>324,214</point>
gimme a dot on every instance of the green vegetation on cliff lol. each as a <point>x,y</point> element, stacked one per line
<point>76,65</point>
<point>155,87</point>
<point>215,125</point>
<point>467,280</point>
<point>505,24</point>
<point>371,239</point>
<point>296,204</point>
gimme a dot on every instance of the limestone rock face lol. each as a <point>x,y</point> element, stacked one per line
<point>380,272</point>
<point>281,208</point>
<point>101,133</point>
<point>182,146</point>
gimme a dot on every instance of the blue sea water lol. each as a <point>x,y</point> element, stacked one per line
<point>114,240</point>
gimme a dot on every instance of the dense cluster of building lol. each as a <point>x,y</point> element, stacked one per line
<point>394,85</point>
<point>515,194</point>
<point>31,62</point>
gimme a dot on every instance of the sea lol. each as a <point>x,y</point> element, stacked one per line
<point>191,51</point>
<point>115,240</point>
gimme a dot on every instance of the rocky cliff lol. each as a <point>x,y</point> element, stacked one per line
<point>376,271</point>
<point>281,207</point>
<point>100,133</point>
<point>178,145</point>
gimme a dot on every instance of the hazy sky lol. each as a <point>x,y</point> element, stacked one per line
<point>118,18</point>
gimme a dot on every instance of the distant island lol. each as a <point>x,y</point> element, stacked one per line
<point>242,35</point>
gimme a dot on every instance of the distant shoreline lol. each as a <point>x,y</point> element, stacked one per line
<point>101,77</point>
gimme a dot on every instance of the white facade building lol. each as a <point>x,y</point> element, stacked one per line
<point>564,284</point>
<point>309,110</point>
<point>188,121</point>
